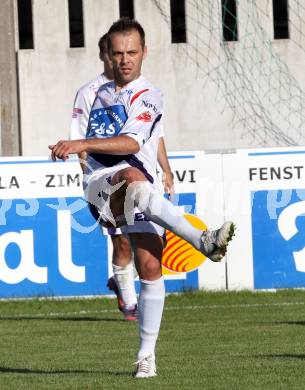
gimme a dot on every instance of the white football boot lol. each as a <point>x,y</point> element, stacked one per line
<point>146,367</point>
<point>214,242</point>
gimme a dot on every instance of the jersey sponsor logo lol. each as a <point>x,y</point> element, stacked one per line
<point>147,104</point>
<point>144,117</point>
<point>106,122</point>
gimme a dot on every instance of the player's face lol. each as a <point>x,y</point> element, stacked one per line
<point>126,55</point>
<point>106,60</point>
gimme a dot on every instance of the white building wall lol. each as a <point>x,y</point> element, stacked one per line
<point>197,115</point>
<point>50,75</point>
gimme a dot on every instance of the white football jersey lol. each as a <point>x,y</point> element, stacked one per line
<point>135,111</point>
<point>82,106</point>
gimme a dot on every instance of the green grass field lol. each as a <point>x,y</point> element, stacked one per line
<point>213,341</point>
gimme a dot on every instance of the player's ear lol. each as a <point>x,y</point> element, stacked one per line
<point>144,52</point>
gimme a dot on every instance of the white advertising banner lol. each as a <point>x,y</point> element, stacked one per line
<point>199,189</point>
<point>264,195</point>
<point>50,244</point>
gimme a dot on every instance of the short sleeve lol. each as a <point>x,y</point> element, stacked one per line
<point>80,115</point>
<point>144,115</point>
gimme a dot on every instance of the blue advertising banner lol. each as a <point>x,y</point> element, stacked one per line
<point>278,228</point>
<point>276,178</point>
<point>50,245</point>
<point>44,251</point>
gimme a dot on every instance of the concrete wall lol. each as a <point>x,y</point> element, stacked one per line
<point>52,72</point>
<point>9,127</point>
<point>208,106</point>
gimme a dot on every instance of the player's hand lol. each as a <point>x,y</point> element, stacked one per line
<point>168,183</point>
<point>63,148</point>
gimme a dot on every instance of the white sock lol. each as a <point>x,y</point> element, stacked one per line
<point>124,277</point>
<point>161,211</point>
<point>151,302</point>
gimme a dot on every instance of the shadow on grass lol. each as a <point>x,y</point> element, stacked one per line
<point>56,372</point>
<point>53,318</point>
<point>300,356</point>
<point>290,322</point>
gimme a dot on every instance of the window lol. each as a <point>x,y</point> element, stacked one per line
<point>178,26</point>
<point>76,23</point>
<point>25,24</point>
<point>126,8</point>
<point>229,20</point>
<point>280,19</point>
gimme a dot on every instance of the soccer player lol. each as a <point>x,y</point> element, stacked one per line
<point>122,281</point>
<point>122,180</point>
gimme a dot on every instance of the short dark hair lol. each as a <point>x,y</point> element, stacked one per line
<point>126,24</point>
<point>102,42</point>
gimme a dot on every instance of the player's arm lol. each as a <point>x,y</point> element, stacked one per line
<point>119,145</point>
<point>82,160</point>
<point>167,175</point>
<point>136,131</point>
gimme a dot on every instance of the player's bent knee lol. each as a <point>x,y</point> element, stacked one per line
<point>151,270</point>
<point>129,175</point>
